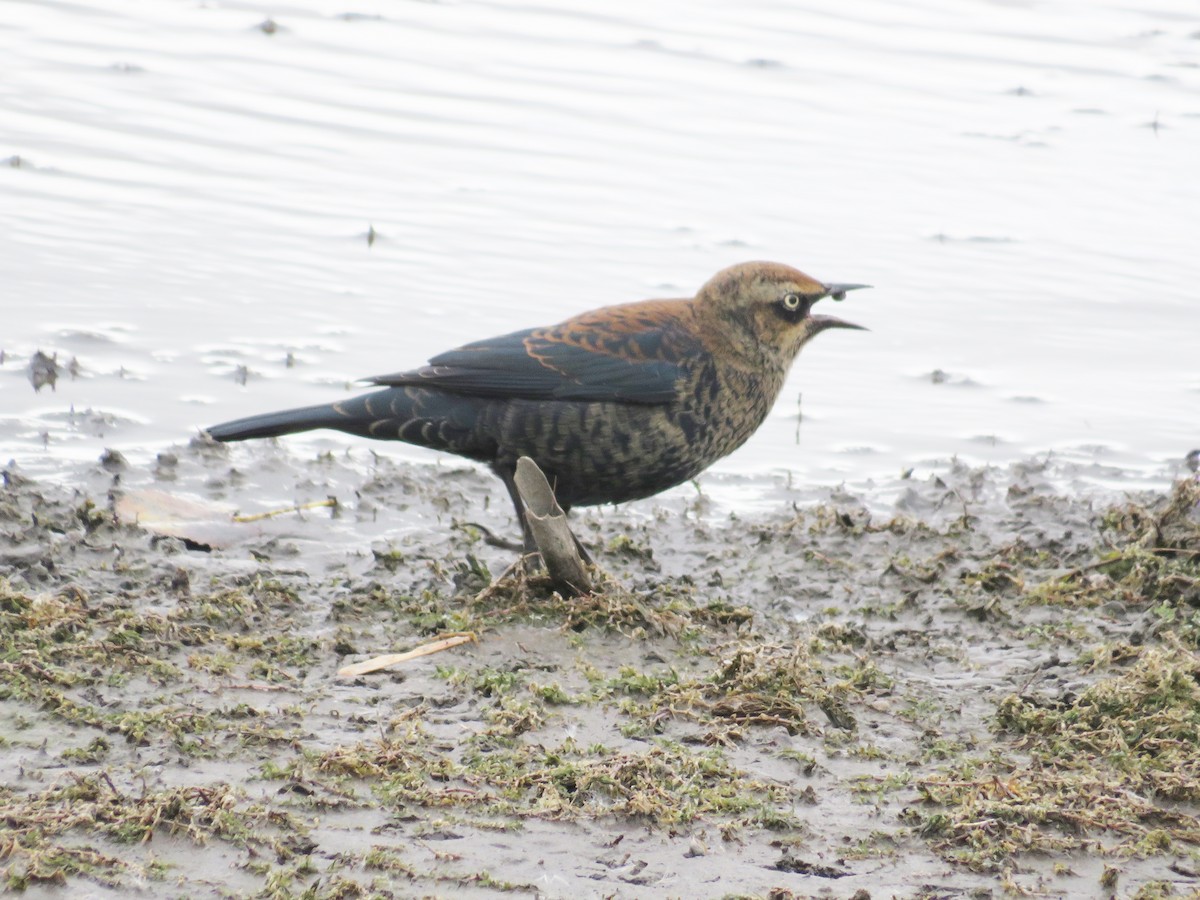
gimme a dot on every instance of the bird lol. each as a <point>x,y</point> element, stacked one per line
<point>616,404</point>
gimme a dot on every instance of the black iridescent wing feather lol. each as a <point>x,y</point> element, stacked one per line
<point>628,358</point>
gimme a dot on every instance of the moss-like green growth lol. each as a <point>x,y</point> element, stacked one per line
<point>1101,770</point>
<point>37,825</point>
<point>1149,558</point>
<point>667,784</point>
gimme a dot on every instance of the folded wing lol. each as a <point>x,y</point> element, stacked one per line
<point>628,359</point>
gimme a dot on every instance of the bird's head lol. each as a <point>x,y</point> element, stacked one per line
<point>762,311</point>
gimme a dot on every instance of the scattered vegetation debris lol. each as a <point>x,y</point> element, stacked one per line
<point>995,682</point>
<point>790,863</point>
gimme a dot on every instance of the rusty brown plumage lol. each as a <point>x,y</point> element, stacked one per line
<point>614,404</point>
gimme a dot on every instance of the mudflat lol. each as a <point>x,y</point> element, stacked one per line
<point>980,683</point>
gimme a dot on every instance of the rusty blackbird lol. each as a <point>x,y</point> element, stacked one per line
<point>614,404</point>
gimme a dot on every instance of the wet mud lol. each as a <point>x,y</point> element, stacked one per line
<point>981,683</point>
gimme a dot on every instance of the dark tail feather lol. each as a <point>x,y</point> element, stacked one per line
<point>275,424</point>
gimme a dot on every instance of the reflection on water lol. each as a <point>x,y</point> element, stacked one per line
<point>187,201</point>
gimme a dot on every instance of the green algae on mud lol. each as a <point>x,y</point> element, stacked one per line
<point>992,689</point>
<point>1113,767</point>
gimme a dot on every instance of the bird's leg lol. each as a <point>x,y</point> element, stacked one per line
<point>530,545</point>
<point>583,553</point>
<point>491,538</point>
<point>506,475</point>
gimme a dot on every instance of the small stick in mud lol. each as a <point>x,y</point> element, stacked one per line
<point>548,524</point>
<point>514,566</point>
<point>330,502</point>
<point>387,660</point>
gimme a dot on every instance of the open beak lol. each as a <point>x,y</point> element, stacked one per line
<point>837,292</point>
<point>817,324</point>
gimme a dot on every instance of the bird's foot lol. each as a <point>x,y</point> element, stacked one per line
<point>494,540</point>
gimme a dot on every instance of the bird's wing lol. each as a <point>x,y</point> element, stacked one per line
<point>619,354</point>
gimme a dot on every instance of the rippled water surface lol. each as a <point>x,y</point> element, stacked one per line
<point>188,191</point>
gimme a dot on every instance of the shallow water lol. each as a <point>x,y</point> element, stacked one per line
<point>186,194</point>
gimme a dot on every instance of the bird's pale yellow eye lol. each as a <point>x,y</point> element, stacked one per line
<point>791,302</point>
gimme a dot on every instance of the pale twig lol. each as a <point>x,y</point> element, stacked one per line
<point>392,659</point>
<point>330,502</point>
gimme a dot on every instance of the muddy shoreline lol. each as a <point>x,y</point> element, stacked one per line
<point>988,688</point>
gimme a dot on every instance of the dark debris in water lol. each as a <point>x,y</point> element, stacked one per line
<point>43,370</point>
